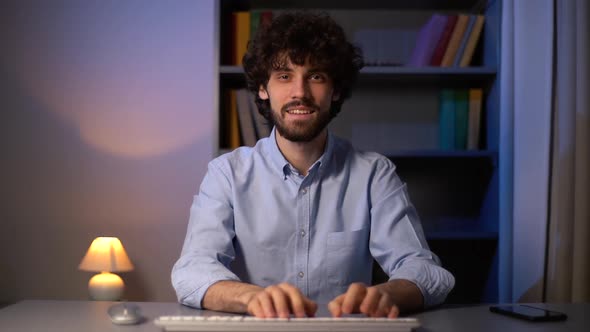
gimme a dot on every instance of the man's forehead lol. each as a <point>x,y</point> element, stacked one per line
<point>285,64</point>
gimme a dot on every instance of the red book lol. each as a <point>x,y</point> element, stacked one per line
<point>230,44</point>
<point>441,46</point>
<point>265,17</point>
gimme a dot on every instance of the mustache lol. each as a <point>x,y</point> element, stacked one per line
<point>301,102</point>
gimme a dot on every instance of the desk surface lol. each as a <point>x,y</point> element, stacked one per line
<point>89,316</point>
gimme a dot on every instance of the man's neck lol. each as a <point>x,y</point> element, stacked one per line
<point>302,154</point>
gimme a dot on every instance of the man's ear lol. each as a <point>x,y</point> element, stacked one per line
<point>262,93</point>
<point>336,96</point>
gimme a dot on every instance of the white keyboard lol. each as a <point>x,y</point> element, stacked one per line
<point>252,324</point>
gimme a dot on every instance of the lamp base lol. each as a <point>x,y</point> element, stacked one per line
<point>106,286</point>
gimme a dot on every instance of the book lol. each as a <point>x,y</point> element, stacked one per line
<point>228,48</point>
<point>441,46</point>
<point>233,126</point>
<point>262,126</point>
<point>254,21</point>
<point>463,43</point>
<point>455,40</point>
<point>242,35</point>
<point>446,119</point>
<point>258,18</point>
<point>265,18</point>
<point>246,121</point>
<point>467,55</point>
<point>473,130</point>
<point>427,39</point>
<point>461,115</point>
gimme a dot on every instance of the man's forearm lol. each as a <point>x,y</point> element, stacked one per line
<point>405,294</point>
<point>229,296</point>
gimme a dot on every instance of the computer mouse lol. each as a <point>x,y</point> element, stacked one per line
<point>125,314</point>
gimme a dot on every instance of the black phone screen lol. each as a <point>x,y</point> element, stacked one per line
<point>528,312</point>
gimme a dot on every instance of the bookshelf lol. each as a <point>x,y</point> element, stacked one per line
<point>456,192</point>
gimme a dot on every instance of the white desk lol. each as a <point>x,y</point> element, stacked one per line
<point>86,316</point>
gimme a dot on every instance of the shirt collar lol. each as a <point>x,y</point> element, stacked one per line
<point>282,166</point>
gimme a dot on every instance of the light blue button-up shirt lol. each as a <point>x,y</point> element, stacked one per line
<point>257,220</point>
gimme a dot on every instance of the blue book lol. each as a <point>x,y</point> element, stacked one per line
<point>446,119</point>
<point>464,39</point>
<point>461,118</point>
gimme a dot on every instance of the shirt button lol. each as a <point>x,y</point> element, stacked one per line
<point>301,274</point>
<point>303,191</point>
<point>302,233</point>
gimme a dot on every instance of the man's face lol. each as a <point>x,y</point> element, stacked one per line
<point>300,99</point>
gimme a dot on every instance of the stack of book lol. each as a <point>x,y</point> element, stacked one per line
<point>447,41</point>
<point>242,124</point>
<point>460,119</point>
<point>244,25</point>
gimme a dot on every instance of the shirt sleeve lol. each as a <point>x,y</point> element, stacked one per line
<point>397,240</point>
<point>208,249</point>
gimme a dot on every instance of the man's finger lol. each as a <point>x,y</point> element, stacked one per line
<point>384,306</point>
<point>295,299</point>
<point>266,304</point>
<point>310,307</point>
<point>280,301</point>
<point>335,306</point>
<point>394,312</point>
<point>255,309</point>
<point>370,302</point>
<point>301,306</point>
<point>353,298</point>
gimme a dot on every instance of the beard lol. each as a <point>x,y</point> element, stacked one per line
<point>301,131</point>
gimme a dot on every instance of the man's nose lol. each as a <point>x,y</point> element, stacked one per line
<point>299,88</point>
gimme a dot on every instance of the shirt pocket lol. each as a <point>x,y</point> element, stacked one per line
<point>346,253</point>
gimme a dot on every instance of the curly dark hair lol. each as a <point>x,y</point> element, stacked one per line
<point>300,36</point>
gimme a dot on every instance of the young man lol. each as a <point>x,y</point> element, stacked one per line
<point>298,219</point>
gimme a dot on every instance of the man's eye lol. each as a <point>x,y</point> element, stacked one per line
<point>283,77</point>
<point>317,77</point>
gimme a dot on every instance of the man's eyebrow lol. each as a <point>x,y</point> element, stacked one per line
<point>281,68</point>
<point>317,70</point>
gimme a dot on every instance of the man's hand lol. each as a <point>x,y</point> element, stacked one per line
<point>371,301</point>
<point>280,301</point>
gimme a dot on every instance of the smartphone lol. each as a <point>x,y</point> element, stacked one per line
<point>529,313</point>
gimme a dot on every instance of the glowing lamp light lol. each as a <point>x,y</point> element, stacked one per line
<point>106,255</point>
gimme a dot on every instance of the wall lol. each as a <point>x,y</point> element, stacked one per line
<point>107,125</point>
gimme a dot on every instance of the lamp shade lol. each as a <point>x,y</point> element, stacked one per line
<point>106,254</point>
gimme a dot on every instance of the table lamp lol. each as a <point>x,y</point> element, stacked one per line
<point>106,255</point>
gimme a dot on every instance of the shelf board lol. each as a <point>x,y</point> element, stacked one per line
<point>466,5</point>
<point>404,70</point>
<point>461,235</point>
<point>395,70</point>
<point>442,75</point>
<point>442,154</point>
<point>489,157</point>
<point>413,154</point>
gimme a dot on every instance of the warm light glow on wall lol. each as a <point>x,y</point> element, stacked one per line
<point>131,91</point>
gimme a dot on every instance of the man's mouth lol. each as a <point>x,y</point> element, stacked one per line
<point>299,111</point>
<point>300,107</point>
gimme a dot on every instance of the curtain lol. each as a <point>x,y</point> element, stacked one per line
<point>568,253</point>
<point>526,97</point>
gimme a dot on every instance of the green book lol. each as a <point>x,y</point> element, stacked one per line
<point>254,21</point>
<point>446,119</point>
<point>461,118</point>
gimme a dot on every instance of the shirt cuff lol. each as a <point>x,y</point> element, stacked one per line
<point>195,298</point>
<point>434,282</point>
